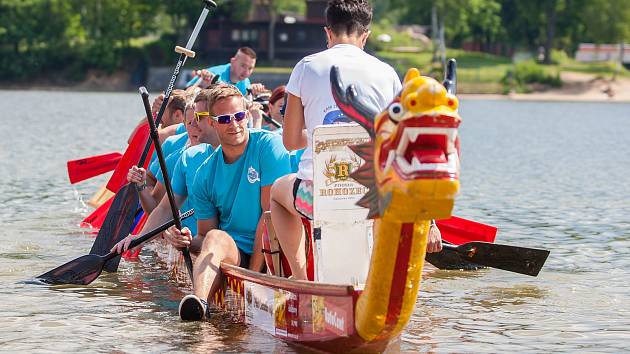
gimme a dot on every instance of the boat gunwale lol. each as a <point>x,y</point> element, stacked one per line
<point>296,286</point>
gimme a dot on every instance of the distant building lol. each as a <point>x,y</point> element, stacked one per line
<point>589,52</point>
<point>295,36</point>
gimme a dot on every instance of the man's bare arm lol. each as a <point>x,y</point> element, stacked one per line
<point>294,134</point>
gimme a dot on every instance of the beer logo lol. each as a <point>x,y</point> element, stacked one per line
<point>339,171</point>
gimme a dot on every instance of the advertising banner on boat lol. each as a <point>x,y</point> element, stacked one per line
<point>333,162</point>
<point>297,316</point>
<point>273,310</point>
<point>331,314</point>
<point>259,306</point>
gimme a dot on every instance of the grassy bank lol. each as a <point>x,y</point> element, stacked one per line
<point>486,73</point>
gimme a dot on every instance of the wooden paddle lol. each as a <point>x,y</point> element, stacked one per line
<point>516,259</point>
<point>125,204</point>
<point>167,182</point>
<point>101,196</point>
<point>83,270</point>
<point>82,169</point>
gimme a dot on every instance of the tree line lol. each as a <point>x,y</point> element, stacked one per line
<point>526,24</point>
<point>70,36</point>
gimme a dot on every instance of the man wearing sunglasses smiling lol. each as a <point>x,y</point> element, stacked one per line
<point>230,192</point>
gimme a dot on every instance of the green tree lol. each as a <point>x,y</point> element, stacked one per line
<point>608,21</point>
<point>33,35</point>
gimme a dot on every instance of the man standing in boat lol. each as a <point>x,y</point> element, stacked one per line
<point>230,192</point>
<point>236,72</point>
<point>310,103</point>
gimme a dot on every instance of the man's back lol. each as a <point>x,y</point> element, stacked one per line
<point>376,82</point>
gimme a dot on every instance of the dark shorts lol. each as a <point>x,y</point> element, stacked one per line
<point>244,259</point>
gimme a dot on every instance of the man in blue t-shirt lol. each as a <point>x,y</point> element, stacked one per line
<point>236,72</point>
<point>230,193</point>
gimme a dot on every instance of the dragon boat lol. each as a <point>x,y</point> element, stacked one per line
<point>377,185</point>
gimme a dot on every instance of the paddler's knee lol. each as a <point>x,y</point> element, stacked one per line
<point>220,241</point>
<point>282,188</point>
<point>215,238</point>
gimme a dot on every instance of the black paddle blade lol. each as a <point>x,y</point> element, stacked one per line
<point>117,224</point>
<point>449,259</point>
<point>80,271</point>
<point>521,260</point>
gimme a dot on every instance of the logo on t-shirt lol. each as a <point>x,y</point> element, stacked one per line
<point>252,175</point>
<point>336,117</point>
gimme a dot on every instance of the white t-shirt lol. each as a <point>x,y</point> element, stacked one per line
<point>376,82</point>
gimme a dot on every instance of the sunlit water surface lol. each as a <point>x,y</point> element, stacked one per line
<point>549,175</point>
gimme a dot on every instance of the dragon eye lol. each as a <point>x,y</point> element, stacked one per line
<point>395,111</point>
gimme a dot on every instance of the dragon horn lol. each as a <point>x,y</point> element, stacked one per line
<point>350,103</point>
<point>450,78</point>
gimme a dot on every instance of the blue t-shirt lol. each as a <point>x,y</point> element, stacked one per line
<point>231,192</point>
<point>183,176</point>
<point>224,76</point>
<point>294,156</point>
<point>181,128</point>
<point>170,145</point>
<point>171,161</point>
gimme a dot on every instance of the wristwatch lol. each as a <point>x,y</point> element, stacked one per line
<point>141,187</point>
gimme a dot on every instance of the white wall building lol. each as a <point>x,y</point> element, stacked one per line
<point>589,52</point>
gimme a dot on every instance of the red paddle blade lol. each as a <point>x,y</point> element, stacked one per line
<point>82,169</point>
<point>95,220</point>
<point>130,158</point>
<point>458,230</point>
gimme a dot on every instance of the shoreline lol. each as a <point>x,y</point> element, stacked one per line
<point>577,87</point>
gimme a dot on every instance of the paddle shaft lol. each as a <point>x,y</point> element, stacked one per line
<point>167,181</point>
<point>271,121</point>
<point>149,235</point>
<point>171,84</point>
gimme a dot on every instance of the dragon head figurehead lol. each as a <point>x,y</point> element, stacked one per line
<point>412,161</point>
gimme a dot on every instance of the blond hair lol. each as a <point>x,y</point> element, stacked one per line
<point>216,93</point>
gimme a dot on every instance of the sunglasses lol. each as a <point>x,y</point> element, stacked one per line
<point>222,119</point>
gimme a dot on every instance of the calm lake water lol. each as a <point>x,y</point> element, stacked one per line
<point>549,175</point>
